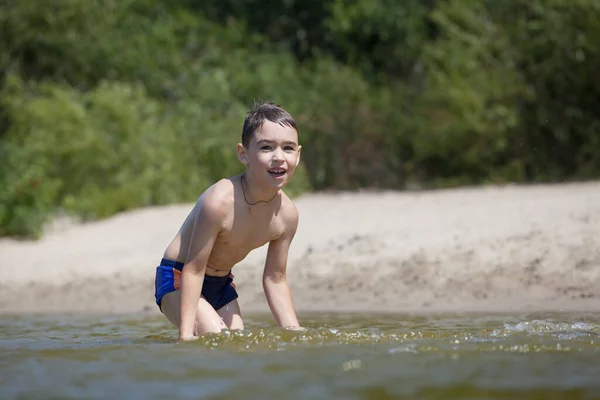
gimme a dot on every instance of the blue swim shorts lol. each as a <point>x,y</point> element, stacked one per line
<point>217,290</point>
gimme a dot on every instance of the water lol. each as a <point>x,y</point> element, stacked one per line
<point>353,356</point>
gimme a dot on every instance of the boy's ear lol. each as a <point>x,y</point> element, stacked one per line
<point>299,153</point>
<point>242,154</point>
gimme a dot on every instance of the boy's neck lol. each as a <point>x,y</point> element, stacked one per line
<point>253,194</point>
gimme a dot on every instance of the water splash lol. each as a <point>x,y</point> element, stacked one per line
<point>518,337</point>
<point>273,338</point>
<point>566,330</point>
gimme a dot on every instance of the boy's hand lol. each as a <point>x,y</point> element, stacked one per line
<point>187,338</point>
<point>294,328</point>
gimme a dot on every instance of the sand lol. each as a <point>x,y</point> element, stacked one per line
<point>489,249</point>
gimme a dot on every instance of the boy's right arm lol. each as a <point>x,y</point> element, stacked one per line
<point>207,225</point>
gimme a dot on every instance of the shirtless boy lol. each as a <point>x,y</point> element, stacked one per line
<point>194,284</point>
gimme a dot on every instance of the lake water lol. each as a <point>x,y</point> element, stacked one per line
<point>348,356</point>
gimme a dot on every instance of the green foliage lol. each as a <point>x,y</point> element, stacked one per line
<point>93,153</point>
<point>557,51</point>
<point>381,37</point>
<point>111,105</point>
<point>511,92</point>
<point>472,100</point>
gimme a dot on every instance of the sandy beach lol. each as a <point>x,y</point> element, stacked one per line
<point>506,249</point>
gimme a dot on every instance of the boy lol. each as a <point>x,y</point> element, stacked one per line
<point>194,284</point>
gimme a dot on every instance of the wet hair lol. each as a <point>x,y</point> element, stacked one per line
<point>261,112</point>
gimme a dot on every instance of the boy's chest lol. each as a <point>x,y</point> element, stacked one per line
<point>249,233</point>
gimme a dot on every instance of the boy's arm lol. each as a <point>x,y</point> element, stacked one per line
<point>275,283</point>
<point>207,225</point>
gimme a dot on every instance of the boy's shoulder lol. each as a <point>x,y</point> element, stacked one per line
<point>218,198</point>
<point>290,212</point>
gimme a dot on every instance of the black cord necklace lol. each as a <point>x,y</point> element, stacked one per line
<point>244,192</point>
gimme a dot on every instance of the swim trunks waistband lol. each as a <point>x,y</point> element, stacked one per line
<point>173,264</point>
<point>165,262</point>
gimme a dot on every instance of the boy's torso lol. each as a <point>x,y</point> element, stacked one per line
<point>247,228</point>
<point>247,231</point>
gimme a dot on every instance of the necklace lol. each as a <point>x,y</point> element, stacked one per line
<point>244,192</point>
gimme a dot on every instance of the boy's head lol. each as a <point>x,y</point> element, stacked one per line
<point>260,113</point>
<point>269,148</point>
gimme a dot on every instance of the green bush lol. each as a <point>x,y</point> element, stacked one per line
<point>471,102</point>
<point>111,105</point>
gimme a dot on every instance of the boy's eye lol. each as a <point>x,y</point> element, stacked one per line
<point>265,147</point>
<point>288,148</point>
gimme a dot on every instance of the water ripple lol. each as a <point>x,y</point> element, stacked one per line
<point>337,357</point>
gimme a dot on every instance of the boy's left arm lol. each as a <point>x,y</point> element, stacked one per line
<point>277,290</point>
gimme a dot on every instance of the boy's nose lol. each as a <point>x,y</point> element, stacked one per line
<point>277,154</point>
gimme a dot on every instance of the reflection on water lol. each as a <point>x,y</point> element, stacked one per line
<point>349,356</point>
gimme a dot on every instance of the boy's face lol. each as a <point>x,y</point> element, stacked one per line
<point>272,154</point>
